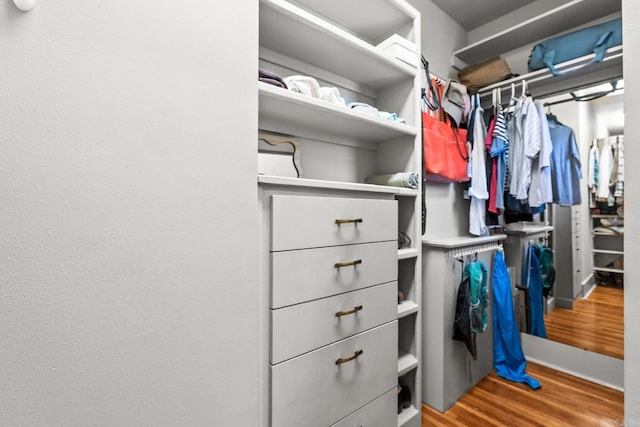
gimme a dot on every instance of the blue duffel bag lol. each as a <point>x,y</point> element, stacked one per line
<point>595,39</point>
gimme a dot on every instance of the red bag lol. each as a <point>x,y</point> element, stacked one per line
<point>446,156</point>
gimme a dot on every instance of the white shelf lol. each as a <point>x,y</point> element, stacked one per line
<point>281,109</point>
<point>407,415</point>
<point>407,253</point>
<point>292,31</point>
<point>606,251</point>
<point>542,83</point>
<point>456,242</point>
<point>569,15</point>
<point>608,270</point>
<point>406,362</point>
<point>607,233</point>
<point>333,185</point>
<point>384,17</point>
<point>407,192</point>
<point>606,216</point>
<point>407,307</point>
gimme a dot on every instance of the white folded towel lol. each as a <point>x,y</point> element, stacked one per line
<point>399,179</point>
<point>305,85</point>
<point>332,95</point>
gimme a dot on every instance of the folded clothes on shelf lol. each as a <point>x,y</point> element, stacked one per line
<point>391,116</point>
<point>373,111</point>
<point>305,85</point>
<point>271,78</point>
<point>332,95</point>
<point>399,179</point>
<point>309,86</point>
<point>365,108</point>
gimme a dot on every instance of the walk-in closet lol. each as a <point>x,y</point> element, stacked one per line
<point>227,214</point>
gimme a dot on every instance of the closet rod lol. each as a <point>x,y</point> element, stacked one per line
<point>589,75</point>
<point>586,98</point>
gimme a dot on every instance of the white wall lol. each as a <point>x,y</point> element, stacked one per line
<point>128,216</point>
<point>631,37</point>
<point>440,35</point>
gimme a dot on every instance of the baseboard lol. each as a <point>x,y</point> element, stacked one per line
<point>598,368</point>
<point>564,303</point>
<point>550,304</point>
<point>588,285</point>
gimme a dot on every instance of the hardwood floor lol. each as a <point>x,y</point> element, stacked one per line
<point>563,400</point>
<point>596,323</point>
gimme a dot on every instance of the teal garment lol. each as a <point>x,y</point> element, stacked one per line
<point>508,357</point>
<point>532,278</point>
<point>478,273</point>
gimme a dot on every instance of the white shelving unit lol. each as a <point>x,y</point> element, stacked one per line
<point>608,246</point>
<point>336,43</point>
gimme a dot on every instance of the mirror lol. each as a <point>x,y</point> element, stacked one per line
<point>585,309</point>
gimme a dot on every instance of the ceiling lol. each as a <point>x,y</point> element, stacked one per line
<point>471,14</point>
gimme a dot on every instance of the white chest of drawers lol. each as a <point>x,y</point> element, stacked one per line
<point>330,290</point>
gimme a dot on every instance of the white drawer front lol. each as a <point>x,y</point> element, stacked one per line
<point>299,222</point>
<point>313,391</point>
<point>304,327</point>
<point>382,412</point>
<point>304,275</point>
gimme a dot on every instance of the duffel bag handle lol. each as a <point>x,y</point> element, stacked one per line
<point>599,51</point>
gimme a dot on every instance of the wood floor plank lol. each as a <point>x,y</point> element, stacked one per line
<point>595,324</point>
<point>563,400</point>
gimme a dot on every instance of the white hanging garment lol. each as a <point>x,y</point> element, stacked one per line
<point>619,189</point>
<point>605,166</point>
<point>540,190</point>
<point>478,190</point>
<point>592,173</point>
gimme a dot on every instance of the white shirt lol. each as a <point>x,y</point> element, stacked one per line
<point>526,146</point>
<point>478,190</point>
<point>540,190</point>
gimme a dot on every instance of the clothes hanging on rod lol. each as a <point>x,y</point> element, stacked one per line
<point>471,305</point>
<point>618,191</point>
<point>593,172</point>
<point>525,140</point>
<point>606,171</point>
<point>498,151</point>
<point>478,189</point>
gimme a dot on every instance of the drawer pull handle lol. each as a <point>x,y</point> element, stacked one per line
<point>348,312</point>
<point>350,358</point>
<point>348,263</point>
<point>348,221</point>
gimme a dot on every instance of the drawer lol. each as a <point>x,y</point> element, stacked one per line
<point>314,390</point>
<point>303,275</point>
<point>382,412</point>
<point>304,327</point>
<point>309,222</point>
